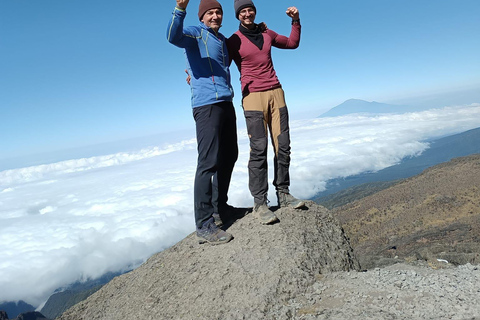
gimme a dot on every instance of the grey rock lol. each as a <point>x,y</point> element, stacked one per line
<point>265,272</point>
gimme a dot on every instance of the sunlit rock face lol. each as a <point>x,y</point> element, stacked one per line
<point>263,272</point>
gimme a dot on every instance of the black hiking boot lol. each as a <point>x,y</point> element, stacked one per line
<point>212,234</point>
<point>285,199</point>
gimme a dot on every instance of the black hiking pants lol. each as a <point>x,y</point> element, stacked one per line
<point>216,126</point>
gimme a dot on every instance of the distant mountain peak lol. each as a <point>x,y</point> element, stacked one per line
<point>352,106</point>
<point>356,100</point>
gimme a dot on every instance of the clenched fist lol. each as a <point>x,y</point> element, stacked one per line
<point>182,4</point>
<point>292,12</point>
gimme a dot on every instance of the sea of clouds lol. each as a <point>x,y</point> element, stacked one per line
<point>78,219</point>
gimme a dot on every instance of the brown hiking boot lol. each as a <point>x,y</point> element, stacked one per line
<point>212,234</point>
<point>285,199</point>
<point>264,214</point>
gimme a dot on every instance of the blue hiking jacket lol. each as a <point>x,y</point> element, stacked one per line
<point>207,60</point>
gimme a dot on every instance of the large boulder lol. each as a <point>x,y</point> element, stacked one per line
<point>262,273</point>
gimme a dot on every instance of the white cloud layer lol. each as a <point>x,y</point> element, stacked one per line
<point>78,219</point>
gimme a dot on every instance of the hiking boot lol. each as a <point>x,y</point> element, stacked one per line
<point>212,234</point>
<point>264,214</point>
<point>287,200</point>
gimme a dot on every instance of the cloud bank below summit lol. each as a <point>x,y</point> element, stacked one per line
<point>81,218</point>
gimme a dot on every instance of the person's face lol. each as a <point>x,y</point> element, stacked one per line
<point>213,18</point>
<point>247,17</point>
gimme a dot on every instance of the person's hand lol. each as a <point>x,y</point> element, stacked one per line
<point>189,77</point>
<point>292,12</point>
<point>263,26</point>
<point>182,4</point>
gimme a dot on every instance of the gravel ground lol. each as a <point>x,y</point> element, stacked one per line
<point>400,291</point>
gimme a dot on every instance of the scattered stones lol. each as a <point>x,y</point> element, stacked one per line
<point>425,293</point>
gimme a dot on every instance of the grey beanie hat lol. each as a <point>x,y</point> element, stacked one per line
<point>240,4</point>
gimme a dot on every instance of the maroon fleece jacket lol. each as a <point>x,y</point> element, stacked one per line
<point>256,66</point>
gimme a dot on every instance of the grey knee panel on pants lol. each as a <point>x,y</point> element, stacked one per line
<point>282,160</point>
<point>257,164</point>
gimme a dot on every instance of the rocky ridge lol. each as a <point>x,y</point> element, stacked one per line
<point>264,273</point>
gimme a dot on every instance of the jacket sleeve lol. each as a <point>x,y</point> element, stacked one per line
<point>233,45</point>
<point>176,33</point>
<point>283,42</point>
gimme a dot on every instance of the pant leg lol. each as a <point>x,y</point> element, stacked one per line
<point>256,111</point>
<point>207,120</point>
<point>280,133</point>
<point>228,154</point>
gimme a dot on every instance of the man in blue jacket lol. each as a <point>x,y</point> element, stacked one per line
<point>213,111</point>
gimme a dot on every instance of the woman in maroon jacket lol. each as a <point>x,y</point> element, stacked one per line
<point>264,105</point>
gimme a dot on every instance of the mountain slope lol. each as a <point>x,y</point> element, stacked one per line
<point>65,298</point>
<point>13,309</point>
<point>435,215</point>
<point>441,150</point>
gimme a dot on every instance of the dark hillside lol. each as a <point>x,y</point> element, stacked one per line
<point>435,215</point>
<point>13,309</point>
<point>65,298</point>
<point>441,150</point>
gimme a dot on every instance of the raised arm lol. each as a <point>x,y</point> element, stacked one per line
<point>176,33</point>
<point>293,13</point>
<point>293,41</point>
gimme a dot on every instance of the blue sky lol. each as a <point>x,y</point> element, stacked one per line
<point>81,72</point>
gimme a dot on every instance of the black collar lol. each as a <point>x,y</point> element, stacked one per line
<point>254,35</point>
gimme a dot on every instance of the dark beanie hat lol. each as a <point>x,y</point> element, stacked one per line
<point>240,4</point>
<point>206,5</point>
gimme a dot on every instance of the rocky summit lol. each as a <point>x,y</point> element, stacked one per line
<point>263,273</point>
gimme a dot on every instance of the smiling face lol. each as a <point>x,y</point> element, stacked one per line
<point>213,18</point>
<point>247,17</point>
